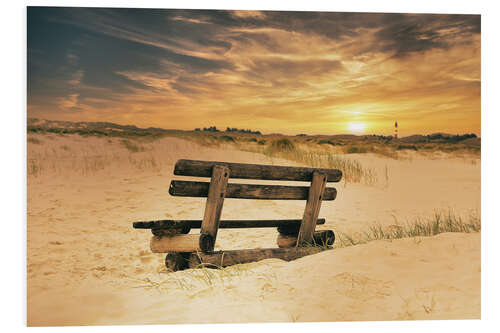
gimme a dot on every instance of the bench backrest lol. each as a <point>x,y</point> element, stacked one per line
<point>195,168</point>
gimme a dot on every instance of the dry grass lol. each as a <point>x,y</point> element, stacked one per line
<point>196,280</point>
<point>34,140</point>
<point>353,171</point>
<point>132,147</point>
<point>92,158</point>
<point>34,168</point>
<point>441,222</point>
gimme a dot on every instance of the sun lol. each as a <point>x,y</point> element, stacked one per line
<point>357,127</point>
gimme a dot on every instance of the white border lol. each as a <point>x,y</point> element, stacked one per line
<point>13,166</point>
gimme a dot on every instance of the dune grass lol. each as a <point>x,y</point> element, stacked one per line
<point>202,278</point>
<point>91,159</point>
<point>353,171</point>
<point>356,150</point>
<point>132,147</point>
<point>439,223</point>
<point>35,141</point>
<point>34,167</point>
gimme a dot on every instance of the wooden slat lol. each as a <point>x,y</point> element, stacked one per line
<point>253,171</point>
<point>193,224</point>
<point>184,188</point>
<point>311,211</point>
<point>229,258</point>
<point>215,200</point>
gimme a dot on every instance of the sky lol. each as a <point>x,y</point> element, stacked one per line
<point>273,71</point>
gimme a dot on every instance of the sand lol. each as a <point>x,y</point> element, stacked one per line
<point>87,265</point>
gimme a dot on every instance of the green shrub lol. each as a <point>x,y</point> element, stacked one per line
<point>355,150</point>
<point>322,142</point>
<point>402,147</point>
<point>227,138</point>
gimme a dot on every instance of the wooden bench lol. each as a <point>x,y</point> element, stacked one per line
<point>297,238</point>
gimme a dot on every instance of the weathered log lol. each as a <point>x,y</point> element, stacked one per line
<point>213,207</point>
<point>181,243</point>
<point>320,238</point>
<point>286,241</point>
<point>247,191</point>
<point>176,261</point>
<point>233,257</point>
<point>313,205</point>
<point>193,224</point>
<point>253,171</point>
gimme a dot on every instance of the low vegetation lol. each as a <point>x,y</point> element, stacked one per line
<point>132,147</point>
<point>227,138</point>
<point>355,150</point>
<point>281,145</point>
<point>204,277</point>
<point>386,146</point>
<point>439,223</point>
<point>308,150</point>
<point>353,171</point>
<point>35,141</point>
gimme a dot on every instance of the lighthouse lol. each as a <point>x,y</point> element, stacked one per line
<point>396,130</point>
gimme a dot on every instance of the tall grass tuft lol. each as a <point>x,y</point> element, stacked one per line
<point>281,145</point>
<point>34,167</point>
<point>352,170</point>
<point>355,150</point>
<point>132,147</point>
<point>441,222</point>
<point>35,141</point>
<point>195,279</point>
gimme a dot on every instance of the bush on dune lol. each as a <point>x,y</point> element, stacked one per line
<point>284,145</point>
<point>227,138</point>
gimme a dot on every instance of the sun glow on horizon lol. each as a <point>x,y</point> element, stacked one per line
<point>357,127</point>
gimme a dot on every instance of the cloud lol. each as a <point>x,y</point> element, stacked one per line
<point>249,14</point>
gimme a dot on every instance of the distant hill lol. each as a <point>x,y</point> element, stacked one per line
<point>92,128</point>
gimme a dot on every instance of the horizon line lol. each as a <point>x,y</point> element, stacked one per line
<point>220,130</point>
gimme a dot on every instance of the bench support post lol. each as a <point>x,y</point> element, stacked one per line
<point>311,211</point>
<point>215,200</point>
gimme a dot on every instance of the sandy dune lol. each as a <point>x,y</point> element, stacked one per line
<point>86,264</point>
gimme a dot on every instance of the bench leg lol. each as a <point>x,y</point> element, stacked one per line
<point>215,200</point>
<point>311,211</point>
